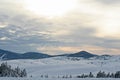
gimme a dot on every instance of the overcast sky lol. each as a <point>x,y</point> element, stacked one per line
<point>91,25</point>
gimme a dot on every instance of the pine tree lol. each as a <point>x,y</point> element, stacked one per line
<point>70,76</point>
<point>23,73</point>
<point>82,76</point>
<point>112,75</point>
<point>18,72</point>
<point>46,76</point>
<point>101,74</point>
<point>117,74</point>
<point>41,76</point>
<point>108,75</point>
<point>7,71</point>
<point>91,75</point>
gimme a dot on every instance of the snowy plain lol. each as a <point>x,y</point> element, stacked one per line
<point>59,66</point>
<point>54,79</point>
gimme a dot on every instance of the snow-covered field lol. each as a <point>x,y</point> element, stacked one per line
<point>54,79</point>
<point>63,66</point>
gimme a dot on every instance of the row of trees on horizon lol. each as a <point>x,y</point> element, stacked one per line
<point>100,74</point>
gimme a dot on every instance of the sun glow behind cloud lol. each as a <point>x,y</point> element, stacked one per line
<point>109,25</point>
<point>104,18</point>
<point>50,8</point>
<point>58,26</point>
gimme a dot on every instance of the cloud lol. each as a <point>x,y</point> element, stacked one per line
<point>2,25</point>
<point>108,2</point>
<point>93,26</point>
<point>4,38</point>
<point>104,18</point>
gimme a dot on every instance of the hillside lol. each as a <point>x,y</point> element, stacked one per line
<point>8,55</point>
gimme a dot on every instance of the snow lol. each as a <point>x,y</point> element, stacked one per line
<point>56,79</point>
<point>63,66</point>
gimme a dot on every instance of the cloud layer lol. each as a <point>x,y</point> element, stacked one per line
<point>92,26</point>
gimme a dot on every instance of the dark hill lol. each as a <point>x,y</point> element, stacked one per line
<point>83,54</point>
<point>8,55</point>
<point>35,55</point>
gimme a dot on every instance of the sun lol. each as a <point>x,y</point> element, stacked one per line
<point>50,8</point>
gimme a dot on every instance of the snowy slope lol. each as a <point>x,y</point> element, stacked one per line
<point>66,66</point>
<point>63,65</point>
<point>53,79</point>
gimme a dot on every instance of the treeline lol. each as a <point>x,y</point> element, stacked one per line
<point>100,74</point>
<point>7,71</point>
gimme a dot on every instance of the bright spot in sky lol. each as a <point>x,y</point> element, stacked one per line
<point>110,25</point>
<point>50,8</point>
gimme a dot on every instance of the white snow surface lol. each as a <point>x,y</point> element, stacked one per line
<point>63,66</point>
<point>56,79</point>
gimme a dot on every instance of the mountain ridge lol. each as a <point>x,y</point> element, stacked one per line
<point>9,55</point>
<point>84,54</point>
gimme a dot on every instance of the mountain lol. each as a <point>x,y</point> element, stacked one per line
<point>8,55</point>
<point>104,57</point>
<point>83,54</point>
<point>62,55</point>
<point>35,55</point>
<point>4,54</point>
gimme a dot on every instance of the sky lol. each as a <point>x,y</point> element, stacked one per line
<point>60,26</point>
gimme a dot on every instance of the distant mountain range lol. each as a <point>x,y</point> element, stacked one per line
<point>8,55</point>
